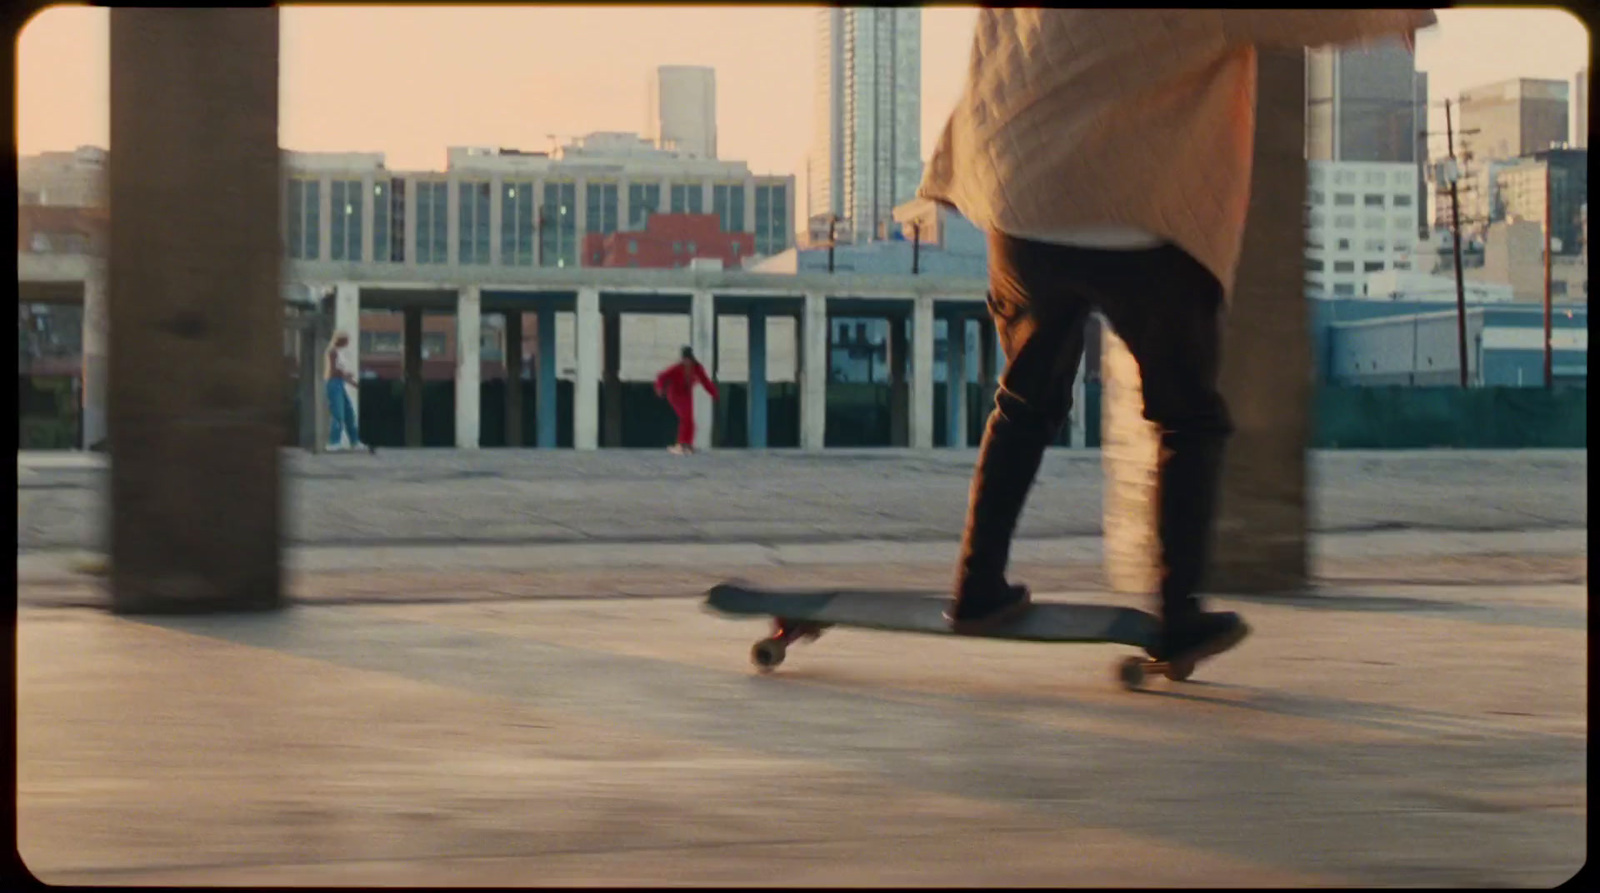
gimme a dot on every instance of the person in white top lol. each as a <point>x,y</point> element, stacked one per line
<point>1107,153</point>
<point>337,372</point>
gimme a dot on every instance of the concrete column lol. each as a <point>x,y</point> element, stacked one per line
<point>545,405</point>
<point>1079,420</point>
<point>624,205</point>
<point>585,396</point>
<point>756,380</point>
<point>96,332</point>
<point>469,366</point>
<point>956,383</point>
<point>922,373</point>
<point>749,222</point>
<point>195,481</point>
<point>899,399</point>
<point>707,197</point>
<point>1268,373</point>
<point>703,339</point>
<point>513,361</point>
<point>611,380</point>
<point>813,371</point>
<point>1266,378</point>
<point>412,348</point>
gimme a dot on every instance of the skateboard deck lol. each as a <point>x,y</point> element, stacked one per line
<point>805,615</point>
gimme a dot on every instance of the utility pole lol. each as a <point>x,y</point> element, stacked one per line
<point>1549,365</point>
<point>916,247</point>
<point>1455,229</point>
<point>833,220</point>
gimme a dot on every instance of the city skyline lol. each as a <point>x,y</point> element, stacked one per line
<point>401,59</point>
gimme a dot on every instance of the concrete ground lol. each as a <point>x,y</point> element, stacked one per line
<point>494,710</point>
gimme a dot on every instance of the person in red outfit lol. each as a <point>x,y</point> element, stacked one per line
<point>676,383</point>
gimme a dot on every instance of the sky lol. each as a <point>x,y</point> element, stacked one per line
<point>411,81</point>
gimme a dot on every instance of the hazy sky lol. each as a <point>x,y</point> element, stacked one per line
<point>410,81</point>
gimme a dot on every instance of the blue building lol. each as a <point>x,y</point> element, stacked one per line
<point>1411,343</point>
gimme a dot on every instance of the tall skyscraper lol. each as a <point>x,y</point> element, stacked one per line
<point>683,109</point>
<point>1580,117</point>
<point>1513,118</point>
<point>867,154</point>
<point>1362,104</point>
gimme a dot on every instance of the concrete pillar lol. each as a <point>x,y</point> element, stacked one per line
<point>813,371</point>
<point>412,348</point>
<point>922,373</point>
<point>624,205</point>
<point>1268,374</point>
<point>195,481</point>
<point>347,319</point>
<point>703,340</point>
<point>1079,420</point>
<point>469,366</point>
<point>545,405</point>
<point>1266,378</point>
<point>585,396</point>
<point>611,379</point>
<point>748,225</point>
<point>756,380</point>
<point>899,398</point>
<point>956,383</point>
<point>96,332</point>
<point>513,360</point>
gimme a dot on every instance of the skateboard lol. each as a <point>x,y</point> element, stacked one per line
<point>805,615</point>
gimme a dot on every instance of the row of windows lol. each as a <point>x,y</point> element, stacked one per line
<point>1313,265</point>
<point>1347,177</point>
<point>1370,200</point>
<point>553,224</point>
<point>1348,221</point>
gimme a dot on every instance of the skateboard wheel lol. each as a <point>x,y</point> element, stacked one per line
<point>1180,672</point>
<point>1131,672</point>
<point>767,654</point>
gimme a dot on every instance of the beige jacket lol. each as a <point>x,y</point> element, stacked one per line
<point>1127,117</point>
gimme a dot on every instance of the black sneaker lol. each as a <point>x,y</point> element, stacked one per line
<point>1194,637</point>
<point>972,613</point>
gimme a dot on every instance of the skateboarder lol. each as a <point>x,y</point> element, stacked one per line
<point>676,383</point>
<point>1108,154</point>
<point>338,376</point>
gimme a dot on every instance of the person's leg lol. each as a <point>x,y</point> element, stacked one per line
<point>1040,325</point>
<point>350,419</point>
<point>1172,327</point>
<point>336,400</point>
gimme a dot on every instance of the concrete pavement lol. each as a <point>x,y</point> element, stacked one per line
<point>1411,736</point>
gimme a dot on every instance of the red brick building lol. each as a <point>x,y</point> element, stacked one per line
<point>669,241</point>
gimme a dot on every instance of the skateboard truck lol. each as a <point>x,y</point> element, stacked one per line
<point>768,653</point>
<point>1132,671</point>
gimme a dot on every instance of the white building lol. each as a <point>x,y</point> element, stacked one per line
<point>1361,219</point>
<point>682,114</point>
<point>504,207</point>
<point>73,179</point>
<point>867,154</point>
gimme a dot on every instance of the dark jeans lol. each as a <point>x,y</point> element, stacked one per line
<point>1166,307</point>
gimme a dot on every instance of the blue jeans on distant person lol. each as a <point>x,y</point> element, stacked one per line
<point>343,412</point>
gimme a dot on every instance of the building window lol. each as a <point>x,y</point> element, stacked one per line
<point>644,199</point>
<point>693,248</point>
<point>558,233</point>
<point>1372,223</point>
<point>1372,201</point>
<point>1375,244</point>
<point>1344,244</point>
<point>600,203</point>
<point>1558,288</point>
<point>1313,265</point>
<point>772,219</point>
<point>1402,201</point>
<point>1402,265</point>
<point>1344,199</point>
<point>305,219</point>
<point>389,221</point>
<point>1344,266</point>
<point>727,202</point>
<point>1372,266</point>
<point>433,344</point>
<point>688,198</point>
<point>1315,220</point>
<point>677,247</point>
<point>472,234</point>
<point>1376,178</point>
<point>517,224</point>
<point>633,246</point>
<point>433,222</point>
<point>345,224</point>
<point>1318,197</point>
<point>1343,289</point>
<point>1403,222</point>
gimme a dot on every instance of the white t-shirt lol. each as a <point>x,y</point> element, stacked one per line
<point>1103,238</point>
